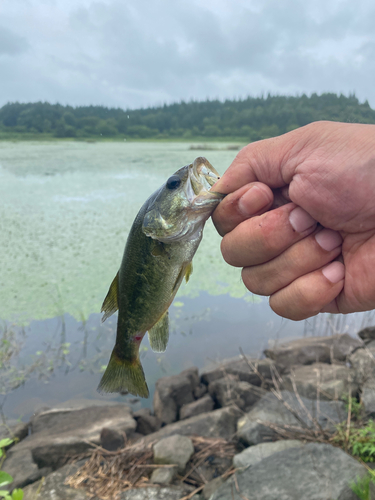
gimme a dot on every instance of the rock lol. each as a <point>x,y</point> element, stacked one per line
<point>240,368</point>
<point>254,454</point>
<point>200,391</point>
<point>174,449</point>
<point>171,393</point>
<point>196,407</point>
<point>217,423</point>
<point>312,350</point>
<point>60,434</point>
<point>367,334</point>
<point>363,363</point>
<point>156,493</point>
<point>313,472</point>
<point>21,466</point>
<point>323,381</point>
<point>146,423</point>
<point>368,399</point>
<point>228,391</point>
<point>14,430</point>
<point>210,487</point>
<point>53,487</point>
<point>253,429</point>
<point>111,440</point>
<point>164,475</point>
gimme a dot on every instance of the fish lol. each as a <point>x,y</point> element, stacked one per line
<point>158,255</point>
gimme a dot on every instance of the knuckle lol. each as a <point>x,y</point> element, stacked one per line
<point>255,282</point>
<point>226,247</point>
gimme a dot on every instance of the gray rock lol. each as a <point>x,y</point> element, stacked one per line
<point>14,430</point>
<point>323,381</point>
<point>254,454</point>
<point>213,467</point>
<point>367,334</point>
<point>174,449</point>
<point>229,391</point>
<point>60,434</point>
<point>53,487</point>
<point>313,349</point>
<point>164,475</point>
<point>217,423</point>
<point>171,393</point>
<point>240,368</point>
<point>202,405</point>
<point>210,487</point>
<point>111,440</point>
<point>146,423</point>
<point>368,399</point>
<point>200,391</point>
<point>156,493</point>
<point>21,466</point>
<point>363,363</point>
<point>313,472</point>
<point>253,428</point>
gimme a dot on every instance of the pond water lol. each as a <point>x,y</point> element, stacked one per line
<point>65,211</point>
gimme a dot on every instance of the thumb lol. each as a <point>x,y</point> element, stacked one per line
<point>270,161</point>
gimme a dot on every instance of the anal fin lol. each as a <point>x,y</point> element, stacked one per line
<point>158,335</point>
<point>110,304</point>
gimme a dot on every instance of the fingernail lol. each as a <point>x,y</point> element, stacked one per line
<point>253,201</point>
<point>334,272</point>
<point>328,239</point>
<point>300,220</point>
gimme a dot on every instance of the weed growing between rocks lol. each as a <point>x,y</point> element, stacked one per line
<point>5,478</point>
<point>106,474</point>
<point>361,487</point>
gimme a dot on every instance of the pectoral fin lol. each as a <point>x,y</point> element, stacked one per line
<point>159,334</point>
<point>110,304</point>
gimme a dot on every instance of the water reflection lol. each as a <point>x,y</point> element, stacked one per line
<point>54,360</point>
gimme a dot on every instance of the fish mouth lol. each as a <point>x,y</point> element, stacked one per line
<point>201,177</point>
<point>205,172</point>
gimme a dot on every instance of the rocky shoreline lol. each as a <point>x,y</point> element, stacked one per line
<point>241,429</point>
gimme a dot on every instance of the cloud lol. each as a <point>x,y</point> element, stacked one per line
<point>142,52</point>
<point>10,43</point>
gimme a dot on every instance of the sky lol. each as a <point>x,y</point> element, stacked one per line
<point>141,53</point>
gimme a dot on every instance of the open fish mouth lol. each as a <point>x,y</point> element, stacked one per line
<point>202,176</point>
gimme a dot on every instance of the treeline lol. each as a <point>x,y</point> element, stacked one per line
<point>251,118</point>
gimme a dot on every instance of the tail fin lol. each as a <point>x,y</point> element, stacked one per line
<point>124,375</point>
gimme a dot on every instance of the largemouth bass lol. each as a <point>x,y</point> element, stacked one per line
<point>161,244</point>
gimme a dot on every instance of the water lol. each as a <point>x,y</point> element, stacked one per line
<point>66,208</point>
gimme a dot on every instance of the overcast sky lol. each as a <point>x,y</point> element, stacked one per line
<point>139,53</point>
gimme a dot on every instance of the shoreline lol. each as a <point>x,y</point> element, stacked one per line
<point>235,421</point>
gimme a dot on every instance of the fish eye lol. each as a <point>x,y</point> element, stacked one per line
<point>173,182</point>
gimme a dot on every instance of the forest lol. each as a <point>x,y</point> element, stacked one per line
<point>250,119</point>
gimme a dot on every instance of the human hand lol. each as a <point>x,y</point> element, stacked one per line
<point>281,191</point>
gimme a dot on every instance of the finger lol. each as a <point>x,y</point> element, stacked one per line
<point>264,237</point>
<point>271,161</point>
<point>305,256</point>
<point>253,164</point>
<point>250,200</point>
<point>309,294</point>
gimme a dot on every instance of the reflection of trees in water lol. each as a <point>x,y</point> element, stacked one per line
<point>56,355</point>
<point>330,324</point>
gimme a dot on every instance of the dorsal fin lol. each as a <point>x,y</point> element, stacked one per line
<point>110,304</point>
<point>158,335</point>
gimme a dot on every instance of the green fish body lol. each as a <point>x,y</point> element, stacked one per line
<point>160,247</point>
